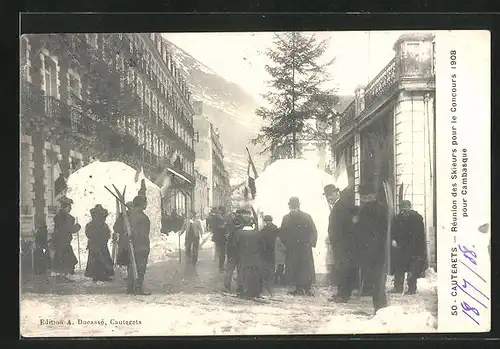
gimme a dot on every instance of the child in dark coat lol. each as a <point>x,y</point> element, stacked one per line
<point>269,234</point>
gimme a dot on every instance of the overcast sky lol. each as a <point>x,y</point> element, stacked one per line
<point>238,57</point>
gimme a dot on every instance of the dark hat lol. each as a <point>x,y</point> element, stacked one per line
<point>139,201</point>
<point>294,202</point>
<point>405,204</point>
<point>330,189</point>
<point>65,201</point>
<point>367,189</point>
<point>268,218</point>
<point>98,210</point>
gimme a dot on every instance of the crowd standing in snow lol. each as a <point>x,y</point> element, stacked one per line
<point>262,258</point>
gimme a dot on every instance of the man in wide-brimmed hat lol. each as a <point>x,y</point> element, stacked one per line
<point>298,233</point>
<point>140,225</point>
<point>64,227</point>
<point>99,263</point>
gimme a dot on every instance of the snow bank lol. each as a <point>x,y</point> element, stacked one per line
<point>86,188</point>
<point>296,177</point>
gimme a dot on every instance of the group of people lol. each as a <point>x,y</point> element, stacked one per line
<point>266,256</point>
<point>100,265</point>
<point>260,257</point>
<point>358,237</point>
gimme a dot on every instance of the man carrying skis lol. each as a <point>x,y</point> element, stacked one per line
<point>140,226</point>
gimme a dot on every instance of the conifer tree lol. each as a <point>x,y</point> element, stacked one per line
<point>296,84</point>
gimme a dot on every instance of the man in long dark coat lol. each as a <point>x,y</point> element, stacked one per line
<point>342,243</point>
<point>299,235</point>
<point>41,255</point>
<point>408,241</point>
<point>370,243</point>
<point>64,227</point>
<point>99,263</point>
<point>219,231</point>
<point>233,255</point>
<point>269,235</point>
<point>140,225</point>
<point>250,250</point>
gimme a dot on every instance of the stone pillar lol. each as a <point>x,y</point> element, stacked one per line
<point>414,56</point>
<point>30,175</point>
<point>410,148</point>
<point>356,161</point>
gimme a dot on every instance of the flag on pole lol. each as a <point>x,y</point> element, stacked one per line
<point>252,176</point>
<point>341,178</point>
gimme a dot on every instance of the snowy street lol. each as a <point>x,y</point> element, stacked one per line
<point>194,305</point>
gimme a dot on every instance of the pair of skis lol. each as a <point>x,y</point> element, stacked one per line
<point>120,198</point>
<point>115,236</point>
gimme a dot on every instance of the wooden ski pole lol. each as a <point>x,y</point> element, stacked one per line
<point>115,242</point>
<point>128,230</point>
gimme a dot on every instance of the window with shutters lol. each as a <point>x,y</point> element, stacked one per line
<point>49,76</point>
<point>74,87</point>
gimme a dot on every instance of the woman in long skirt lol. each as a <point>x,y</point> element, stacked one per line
<point>99,263</point>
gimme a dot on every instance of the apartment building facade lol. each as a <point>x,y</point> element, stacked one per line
<point>210,159</point>
<point>87,97</point>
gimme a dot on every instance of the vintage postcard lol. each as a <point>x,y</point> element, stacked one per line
<point>267,183</point>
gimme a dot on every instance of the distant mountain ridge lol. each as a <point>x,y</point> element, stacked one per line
<point>230,109</point>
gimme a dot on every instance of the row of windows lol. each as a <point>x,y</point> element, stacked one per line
<point>149,98</point>
<point>156,74</point>
<point>50,78</point>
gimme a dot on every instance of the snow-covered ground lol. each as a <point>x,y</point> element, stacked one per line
<point>187,303</point>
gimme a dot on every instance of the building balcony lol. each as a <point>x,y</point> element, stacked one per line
<point>73,118</point>
<point>411,68</point>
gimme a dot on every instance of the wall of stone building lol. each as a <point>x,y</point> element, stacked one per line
<point>414,155</point>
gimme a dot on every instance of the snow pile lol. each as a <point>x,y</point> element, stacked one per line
<point>296,177</point>
<point>86,188</point>
<point>429,282</point>
<point>407,317</point>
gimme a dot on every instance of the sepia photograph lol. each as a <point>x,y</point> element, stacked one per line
<point>240,183</point>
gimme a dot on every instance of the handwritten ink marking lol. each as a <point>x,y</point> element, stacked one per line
<point>464,285</point>
<point>468,294</point>
<point>469,254</point>
<point>466,308</point>
<point>473,271</point>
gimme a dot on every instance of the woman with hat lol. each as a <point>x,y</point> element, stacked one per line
<point>64,227</point>
<point>99,263</point>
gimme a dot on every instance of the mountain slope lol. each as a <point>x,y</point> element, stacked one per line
<point>228,107</point>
